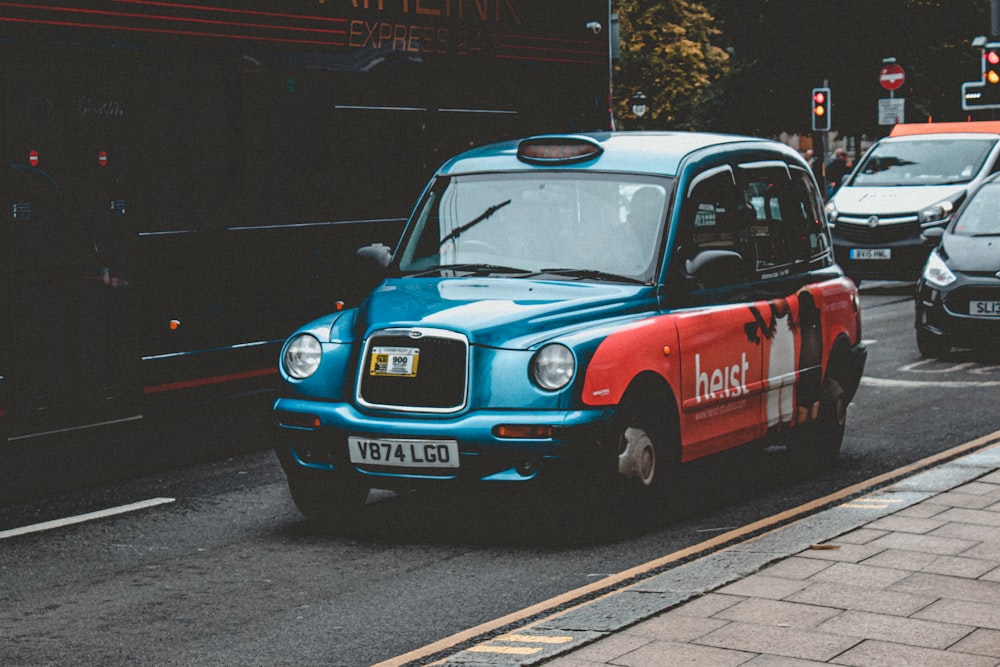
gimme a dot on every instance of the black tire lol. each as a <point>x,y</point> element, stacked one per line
<point>826,436</point>
<point>648,453</point>
<point>325,501</point>
<point>932,346</point>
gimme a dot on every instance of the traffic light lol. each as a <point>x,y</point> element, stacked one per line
<point>821,109</point>
<point>985,93</point>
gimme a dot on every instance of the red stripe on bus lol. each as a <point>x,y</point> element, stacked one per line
<point>203,382</point>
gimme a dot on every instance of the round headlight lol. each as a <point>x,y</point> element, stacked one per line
<point>552,367</point>
<point>302,356</point>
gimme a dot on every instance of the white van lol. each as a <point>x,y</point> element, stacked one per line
<point>911,181</point>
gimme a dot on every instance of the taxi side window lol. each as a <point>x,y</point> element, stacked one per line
<point>787,226</point>
<point>708,215</point>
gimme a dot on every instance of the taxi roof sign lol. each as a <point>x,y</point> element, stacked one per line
<point>558,150</point>
<point>982,126</point>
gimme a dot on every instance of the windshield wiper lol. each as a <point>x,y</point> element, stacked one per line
<point>591,274</point>
<point>485,215</point>
<point>478,269</point>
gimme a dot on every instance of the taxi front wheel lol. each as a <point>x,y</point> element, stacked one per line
<point>324,501</point>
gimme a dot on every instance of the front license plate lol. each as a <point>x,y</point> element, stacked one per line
<point>394,361</point>
<point>404,453</point>
<point>871,253</point>
<point>985,308</point>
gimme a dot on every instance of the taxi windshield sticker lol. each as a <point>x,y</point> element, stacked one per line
<point>394,361</point>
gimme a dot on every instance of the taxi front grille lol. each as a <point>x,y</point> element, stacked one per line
<point>433,379</point>
<point>861,232</point>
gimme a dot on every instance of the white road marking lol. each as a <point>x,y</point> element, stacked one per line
<point>81,518</point>
<point>915,384</point>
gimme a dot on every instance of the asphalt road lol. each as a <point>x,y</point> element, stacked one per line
<point>220,569</point>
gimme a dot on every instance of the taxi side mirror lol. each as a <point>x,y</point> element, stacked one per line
<point>715,268</point>
<point>377,253</point>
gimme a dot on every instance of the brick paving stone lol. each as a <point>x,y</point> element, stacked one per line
<point>861,575</point>
<point>860,536</point>
<point>572,661</point>
<point>902,560</point>
<point>906,524</point>
<point>790,642</point>
<point>953,588</point>
<point>909,631</point>
<point>708,605</point>
<point>781,661</point>
<point>778,613</point>
<point>887,654</point>
<point>607,649</point>
<point>677,654</point>
<point>926,543</point>
<point>853,553</point>
<point>962,515</point>
<point>980,642</point>
<point>986,551</point>
<point>877,601</point>
<point>761,586</point>
<point>795,568</point>
<point>957,566</point>
<point>675,627</point>
<point>964,498</point>
<point>973,532</point>
<point>975,614</point>
<point>923,510</point>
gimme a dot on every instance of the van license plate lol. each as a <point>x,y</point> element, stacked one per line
<point>871,253</point>
<point>985,308</point>
<point>404,453</point>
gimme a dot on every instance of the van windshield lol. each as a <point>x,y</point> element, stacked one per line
<point>603,226</point>
<point>940,161</point>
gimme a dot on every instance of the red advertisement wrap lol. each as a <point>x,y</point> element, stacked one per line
<point>737,372</point>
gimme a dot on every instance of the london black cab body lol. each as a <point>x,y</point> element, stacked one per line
<point>597,308</point>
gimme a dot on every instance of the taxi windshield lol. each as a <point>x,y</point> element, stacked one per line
<point>981,216</point>
<point>922,162</point>
<point>601,226</point>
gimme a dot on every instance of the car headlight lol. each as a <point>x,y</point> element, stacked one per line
<point>302,356</point>
<point>938,214</point>
<point>552,367</point>
<point>936,272</point>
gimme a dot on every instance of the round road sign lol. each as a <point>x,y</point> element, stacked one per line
<point>891,76</point>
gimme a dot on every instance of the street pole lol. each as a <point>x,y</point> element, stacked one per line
<point>994,18</point>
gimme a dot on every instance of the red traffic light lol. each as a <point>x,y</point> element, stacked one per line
<point>819,97</point>
<point>992,57</point>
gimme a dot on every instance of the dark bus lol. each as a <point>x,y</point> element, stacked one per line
<point>184,183</point>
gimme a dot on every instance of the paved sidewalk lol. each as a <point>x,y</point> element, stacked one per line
<point>908,575</point>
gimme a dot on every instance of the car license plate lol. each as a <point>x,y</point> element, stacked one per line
<point>985,308</point>
<point>404,453</point>
<point>871,253</point>
<point>394,361</point>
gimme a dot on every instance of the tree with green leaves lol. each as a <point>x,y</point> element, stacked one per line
<point>667,53</point>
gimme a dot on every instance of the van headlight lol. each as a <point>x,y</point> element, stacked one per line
<point>831,213</point>
<point>938,214</point>
<point>936,272</point>
<point>301,356</point>
<point>552,367</point>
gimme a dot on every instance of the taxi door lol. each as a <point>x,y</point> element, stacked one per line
<point>720,348</point>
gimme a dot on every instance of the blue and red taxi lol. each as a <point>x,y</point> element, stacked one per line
<point>597,308</point>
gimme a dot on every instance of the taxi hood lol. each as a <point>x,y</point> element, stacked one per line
<point>890,200</point>
<point>513,313</point>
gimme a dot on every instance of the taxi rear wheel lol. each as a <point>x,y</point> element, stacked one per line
<point>827,433</point>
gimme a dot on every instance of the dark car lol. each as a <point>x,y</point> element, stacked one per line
<point>958,295</point>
